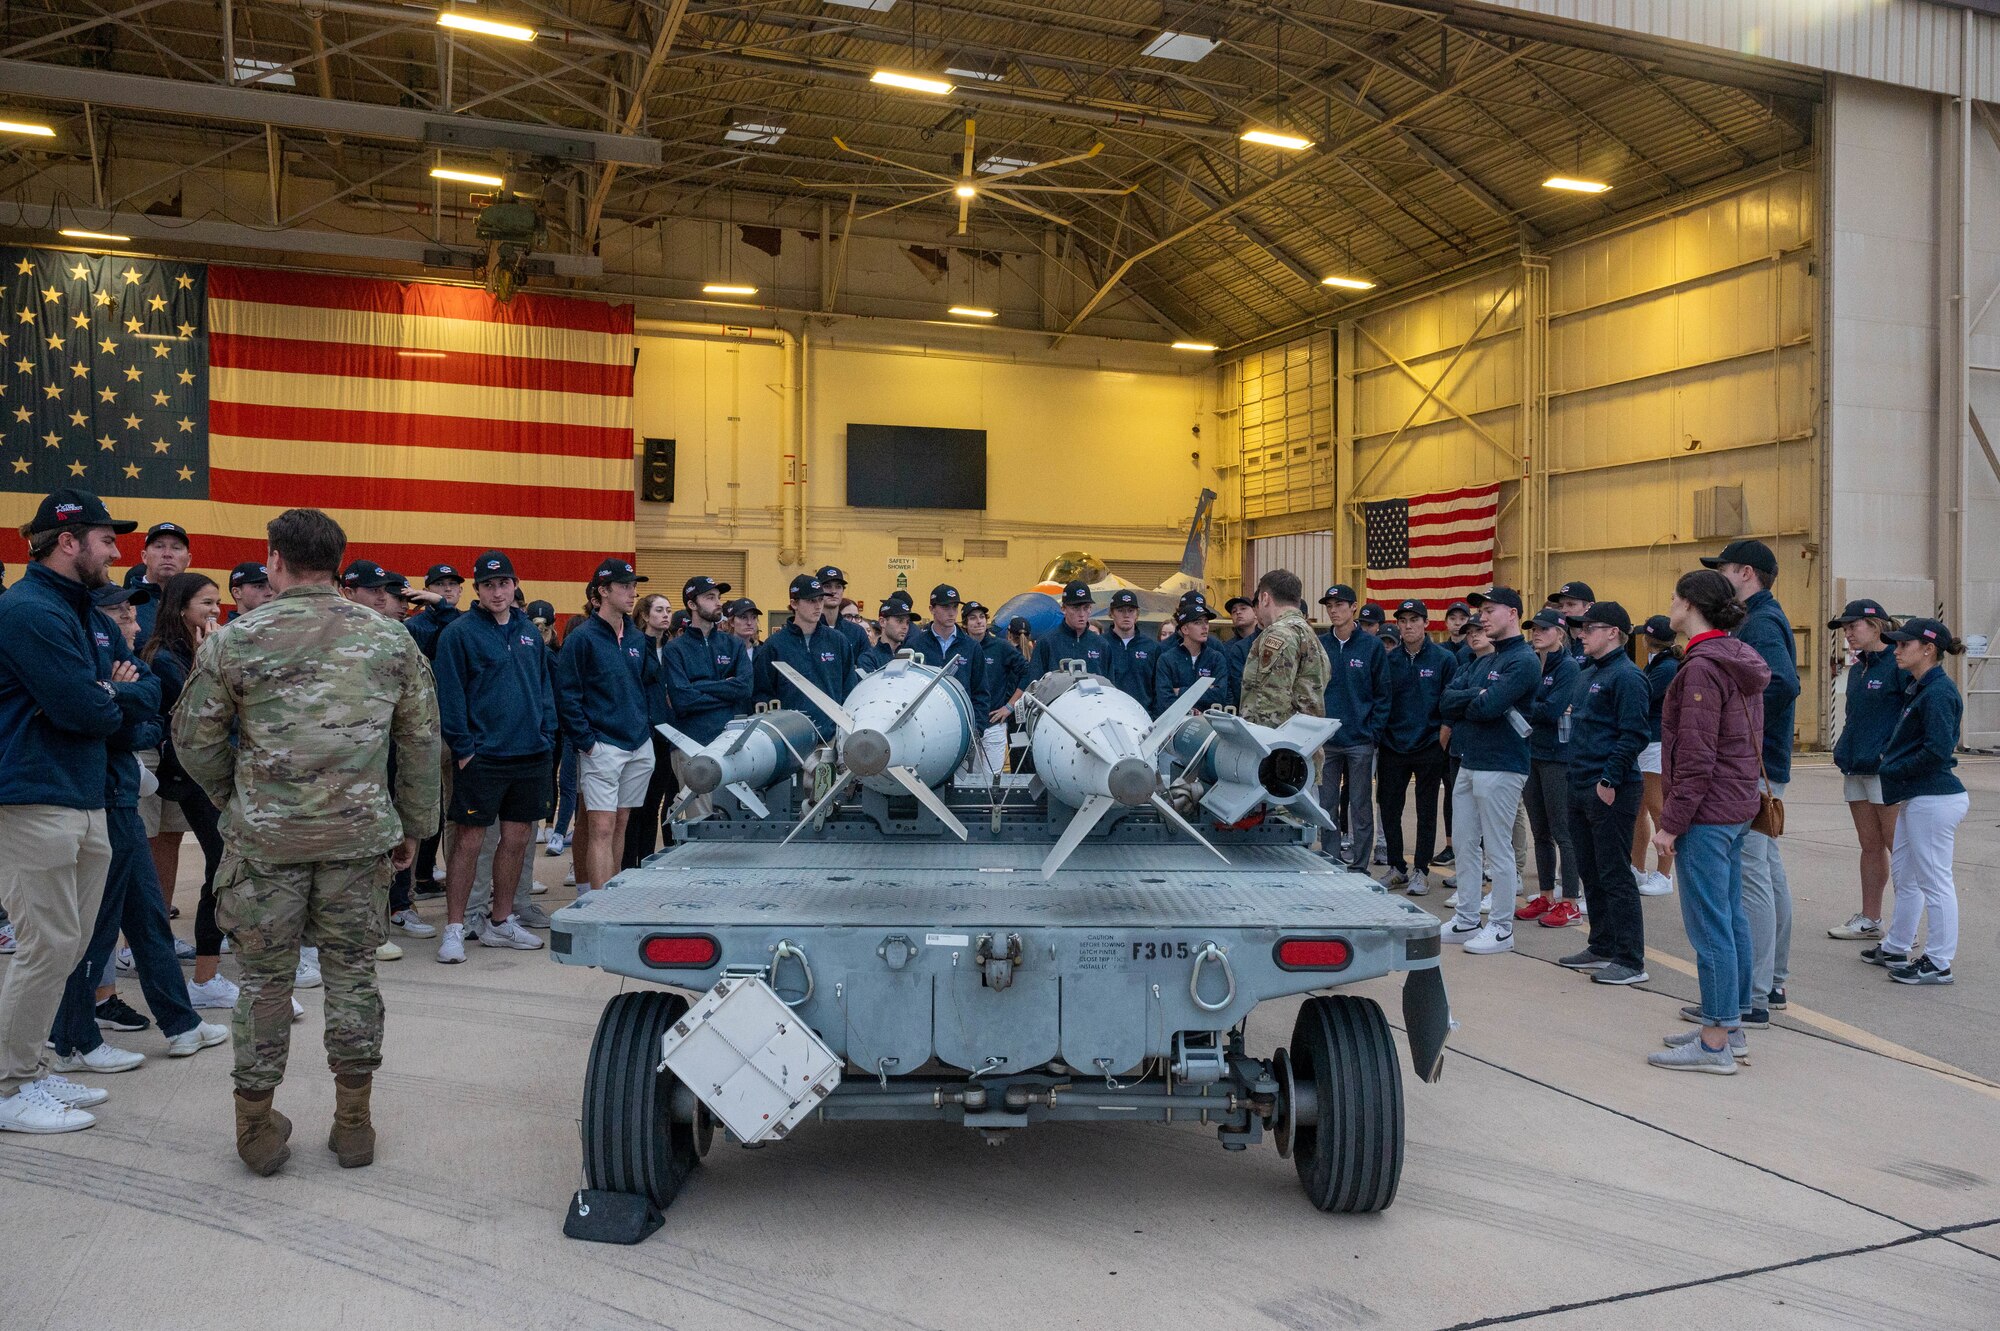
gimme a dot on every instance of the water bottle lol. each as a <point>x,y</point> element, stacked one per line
<point>1562,727</point>
<point>1519,722</point>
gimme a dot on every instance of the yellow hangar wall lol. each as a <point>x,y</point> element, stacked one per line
<point>1643,395</point>
<point>1100,448</point>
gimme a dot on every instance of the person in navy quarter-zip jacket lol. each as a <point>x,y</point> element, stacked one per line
<point>1190,656</point>
<point>1767,896</point>
<point>1242,613</point>
<point>1357,695</point>
<point>1657,636</point>
<point>943,643</point>
<point>817,651</point>
<point>1409,749</point>
<point>57,710</point>
<point>1131,657</point>
<point>1486,705</point>
<point>1874,702</point>
<point>1002,670</point>
<point>709,677</point>
<point>1547,792</point>
<point>1073,639</point>
<point>1608,730</point>
<point>1916,773</point>
<point>439,598</point>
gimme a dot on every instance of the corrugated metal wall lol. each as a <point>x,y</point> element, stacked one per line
<point>1284,427</point>
<point>1308,554</point>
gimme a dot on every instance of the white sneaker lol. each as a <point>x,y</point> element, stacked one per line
<point>1655,884</point>
<point>508,933</point>
<point>541,833</point>
<point>7,944</point>
<point>569,875</point>
<point>1486,905</point>
<point>540,889</point>
<point>307,975</point>
<point>388,951</point>
<point>33,1109</point>
<point>1454,932</point>
<point>556,843</point>
<point>413,924</point>
<point>1451,902</point>
<point>1491,938</point>
<point>1419,885</point>
<point>204,1035</point>
<point>437,873</point>
<point>123,960</point>
<point>451,950</point>
<point>104,1058</point>
<point>216,993</point>
<point>298,1010</point>
<point>73,1093</point>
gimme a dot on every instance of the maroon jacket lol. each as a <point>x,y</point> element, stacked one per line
<point>1711,734</point>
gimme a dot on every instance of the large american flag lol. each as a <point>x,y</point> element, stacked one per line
<point>1434,547</point>
<point>431,421</point>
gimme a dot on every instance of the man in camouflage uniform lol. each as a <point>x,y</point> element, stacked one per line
<point>1286,670</point>
<point>316,690</point>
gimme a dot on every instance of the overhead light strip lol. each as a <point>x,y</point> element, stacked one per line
<point>513,32</point>
<point>890,78</point>
<point>75,234</point>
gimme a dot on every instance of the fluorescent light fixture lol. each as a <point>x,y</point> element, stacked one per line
<point>466,177</point>
<point>966,192</point>
<point>1575,185</point>
<point>1178,46</point>
<point>1195,346</point>
<point>749,131</point>
<point>1271,138</point>
<point>75,234</point>
<point>997,164</point>
<point>1347,283</point>
<point>727,289</point>
<point>874,6</point>
<point>24,127</point>
<point>974,312</point>
<point>513,32</point>
<point>422,355</point>
<point>890,78</point>
<point>268,73</point>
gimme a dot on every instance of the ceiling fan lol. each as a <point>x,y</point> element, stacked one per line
<point>968,185</point>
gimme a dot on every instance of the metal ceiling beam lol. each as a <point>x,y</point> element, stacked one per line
<point>426,16</point>
<point>202,101</point>
<point>635,112</point>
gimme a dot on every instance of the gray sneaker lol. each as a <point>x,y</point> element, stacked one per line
<point>1613,973</point>
<point>533,916</point>
<point>1585,960</point>
<point>1419,885</point>
<point>1397,878</point>
<point>1739,1043</point>
<point>1694,1057</point>
<point>1858,927</point>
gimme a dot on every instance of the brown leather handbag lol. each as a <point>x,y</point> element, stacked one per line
<point>1770,819</point>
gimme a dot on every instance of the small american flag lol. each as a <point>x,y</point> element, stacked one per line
<point>1434,547</point>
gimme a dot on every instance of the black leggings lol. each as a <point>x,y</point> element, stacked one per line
<point>205,823</point>
<point>642,827</point>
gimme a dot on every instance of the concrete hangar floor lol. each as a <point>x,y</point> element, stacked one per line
<point>1849,1177</point>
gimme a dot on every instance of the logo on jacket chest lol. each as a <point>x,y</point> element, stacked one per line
<point>1425,672</point>
<point>527,640</point>
<point>1356,663</point>
<point>1873,684</point>
<point>826,657</point>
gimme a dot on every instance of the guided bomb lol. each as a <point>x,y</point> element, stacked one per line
<point>751,755</point>
<point>1244,765</point>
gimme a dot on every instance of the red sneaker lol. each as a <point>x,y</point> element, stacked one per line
<point>1561,915</point>
<point>1535,908</point>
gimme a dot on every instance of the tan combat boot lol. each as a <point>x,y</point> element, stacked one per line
<point>261,1133</point>
<point>353,1137</point>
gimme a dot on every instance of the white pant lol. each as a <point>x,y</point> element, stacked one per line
<point>988,753</point>
<point>1920,863</point>
<point>1484,807</point>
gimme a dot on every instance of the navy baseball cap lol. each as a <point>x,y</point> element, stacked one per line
<point>680,622</point>
<point>247,574</point>
<point>975,608</point>
<point>1751,554</point>
<point>1373,614</point>
<point>493,564</point>
<point>1506,596</point>
<point>806,587</point>
<point>1078,593</point>
<point>1188,614</point>
<point>1459,606</point>
<point>1573,591</point>
<point>1127,599</point>
<point>542,612</point>
<point>1604,612</point>
<point>742,605</point>
<point>109,595</point>
<point>944,594</point>
<point>1548,617</point>
<point>1413,606</point>
<point>896,603</point>
<point>1854,610</point>
<point>368,573</point>
<point>159,529</point>
<point>699,584</point>
<point>830,574</point>
<point>75,509</point>
<point>1918,630</point>
<point>1018,624</point>
<point>615,569</point>
<point>1659,628</point>
<point>1235,601</point>
<point>1340,591</point>
<point>442,573</point>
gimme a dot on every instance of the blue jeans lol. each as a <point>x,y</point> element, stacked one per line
<point>565,790</point>
<point>132,902</point>
<point>1708,862</point>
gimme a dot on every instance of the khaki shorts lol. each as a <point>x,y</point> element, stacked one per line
<point>1862,790</point>
<point>609,778</point>
<point>161,817</point>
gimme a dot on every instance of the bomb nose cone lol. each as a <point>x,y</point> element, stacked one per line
<point>1132,781</point>
<point>701,774</point>
<point>866,753</point>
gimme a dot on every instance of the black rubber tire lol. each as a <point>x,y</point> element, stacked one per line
<point>629,1143</point>
<point>1349,1151</point>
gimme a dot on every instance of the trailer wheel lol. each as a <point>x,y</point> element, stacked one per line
<point>1348,1137</point>
<point>631,1142</point>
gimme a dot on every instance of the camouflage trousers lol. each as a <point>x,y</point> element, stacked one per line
<point>269,911</point>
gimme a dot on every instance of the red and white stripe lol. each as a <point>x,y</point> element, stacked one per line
<point>1451,551</point>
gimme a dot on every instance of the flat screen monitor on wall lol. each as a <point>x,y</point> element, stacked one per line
<point>915,466</point>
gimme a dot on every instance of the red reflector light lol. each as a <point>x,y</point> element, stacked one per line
<point>694,950</point>
<point>1314,954</point>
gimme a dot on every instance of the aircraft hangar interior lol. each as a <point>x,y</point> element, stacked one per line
<point>994,294</point>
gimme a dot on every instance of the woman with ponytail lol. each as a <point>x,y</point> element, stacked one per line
<point>1916,773</point>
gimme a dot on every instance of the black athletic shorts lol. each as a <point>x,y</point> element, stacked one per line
<point>513,790</point>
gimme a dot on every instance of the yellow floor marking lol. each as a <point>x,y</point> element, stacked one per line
<point>1854,1035</point>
